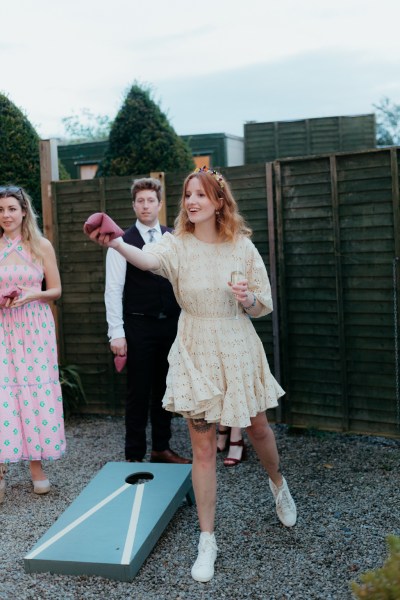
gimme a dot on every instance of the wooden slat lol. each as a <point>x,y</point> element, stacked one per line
<point>339,294</point>
<point>273,275</point>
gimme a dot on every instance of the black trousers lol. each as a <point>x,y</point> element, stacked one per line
<point>149,340</point>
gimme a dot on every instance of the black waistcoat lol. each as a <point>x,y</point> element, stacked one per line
<point>145,292</point>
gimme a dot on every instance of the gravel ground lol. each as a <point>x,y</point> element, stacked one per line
<point>347,494</point>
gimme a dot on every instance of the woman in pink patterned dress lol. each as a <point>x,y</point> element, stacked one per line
<point>31,409</point>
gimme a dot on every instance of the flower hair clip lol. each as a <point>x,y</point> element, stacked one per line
<point>217,176</point>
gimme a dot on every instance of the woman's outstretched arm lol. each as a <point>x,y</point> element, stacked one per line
<point>135,256</point>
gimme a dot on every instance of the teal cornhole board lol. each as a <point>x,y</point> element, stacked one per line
<point>112,526</point>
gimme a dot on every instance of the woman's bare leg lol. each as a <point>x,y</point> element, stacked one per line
<point>223,434</point>
<point>263,440</point>
<point>204,477</point>
<point>235,452</point>
<point>36,469</point>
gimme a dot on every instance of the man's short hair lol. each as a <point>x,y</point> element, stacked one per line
<point>146,183</point>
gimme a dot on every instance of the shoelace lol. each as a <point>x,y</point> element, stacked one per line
<point>206,548</point>
<point>283,500</point>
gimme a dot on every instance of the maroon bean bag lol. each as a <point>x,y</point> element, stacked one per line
<point>106,224</point>
<point>120,362</point>
<point>12,293</point>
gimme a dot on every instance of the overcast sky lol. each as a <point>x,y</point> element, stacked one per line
<point>212,66</point>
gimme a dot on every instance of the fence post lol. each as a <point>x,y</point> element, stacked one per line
<point>162,215</point>
<point>274,277</point>
<point>49,172</point>
<point>339,291</point>
<point>396,277</point>
<point>284,334</point>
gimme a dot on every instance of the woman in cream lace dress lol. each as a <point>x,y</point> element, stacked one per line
<point>218,371</point>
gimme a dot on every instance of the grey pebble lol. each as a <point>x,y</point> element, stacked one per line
<point>346,490</point>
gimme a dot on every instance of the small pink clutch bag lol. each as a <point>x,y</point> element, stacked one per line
<point>12,293</point>
<point>120,362</point>
<point>106,224</point>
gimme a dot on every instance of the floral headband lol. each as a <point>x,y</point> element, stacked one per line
<point>217,176</point>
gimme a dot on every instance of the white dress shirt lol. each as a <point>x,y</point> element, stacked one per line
<point>115,282</point>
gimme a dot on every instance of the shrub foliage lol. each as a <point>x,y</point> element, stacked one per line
<point>383,583</point>
<point>142,140</point>
<point>19,151</point>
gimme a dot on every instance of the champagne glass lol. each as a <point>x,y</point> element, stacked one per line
<point>235,277</point>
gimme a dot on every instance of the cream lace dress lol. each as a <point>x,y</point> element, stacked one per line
<point>217,365</point>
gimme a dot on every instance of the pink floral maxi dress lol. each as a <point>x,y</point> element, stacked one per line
<point>31,409</point>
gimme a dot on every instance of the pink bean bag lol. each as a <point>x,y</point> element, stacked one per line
<point>120,362</point>
<point>12,293</point>
<point>106,224</point>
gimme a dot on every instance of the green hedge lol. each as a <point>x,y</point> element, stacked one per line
<point>19,151</point>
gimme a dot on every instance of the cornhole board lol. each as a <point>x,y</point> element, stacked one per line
<point>112,526</point>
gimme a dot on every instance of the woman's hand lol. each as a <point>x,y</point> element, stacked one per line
<point>28,295</point>
<point>103,239</point>
<point>240,292</point>
<point>142,260</point>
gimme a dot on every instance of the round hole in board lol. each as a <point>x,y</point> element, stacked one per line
<point>136,478</point>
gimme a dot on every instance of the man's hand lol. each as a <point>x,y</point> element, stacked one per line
<point>118,346</point>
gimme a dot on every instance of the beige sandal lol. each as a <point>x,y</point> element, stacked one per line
<point>41,486</point>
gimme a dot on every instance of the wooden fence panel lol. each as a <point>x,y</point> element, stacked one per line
<point>334,226</point>
<point>339,229</point>
<point>367,287</point>
<point>82,303</point>
<point>311,354</point>
<point>275,140</point>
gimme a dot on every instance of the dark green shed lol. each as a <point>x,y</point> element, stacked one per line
<point>213,149</point>
<point>77,158</point>
<point>216,149</point>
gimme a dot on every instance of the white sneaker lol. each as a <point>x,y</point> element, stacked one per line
<point>285,506</point>
<point>203,568</point>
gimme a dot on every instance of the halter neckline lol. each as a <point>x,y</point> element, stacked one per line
<point>11,241</point>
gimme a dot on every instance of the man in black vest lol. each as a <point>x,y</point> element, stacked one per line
<point>142,316</point>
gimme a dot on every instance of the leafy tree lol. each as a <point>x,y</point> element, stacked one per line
<point>19,151</point>
<point>142,140</point>
<point>87,127</point>
<point>388,123</point>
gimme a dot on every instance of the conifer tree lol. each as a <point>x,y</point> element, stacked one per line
<point>19,151</point>
<point>142,140</point>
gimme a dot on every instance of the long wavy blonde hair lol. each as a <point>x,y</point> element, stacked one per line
<point>30,232</point>
<point>230,223</point>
